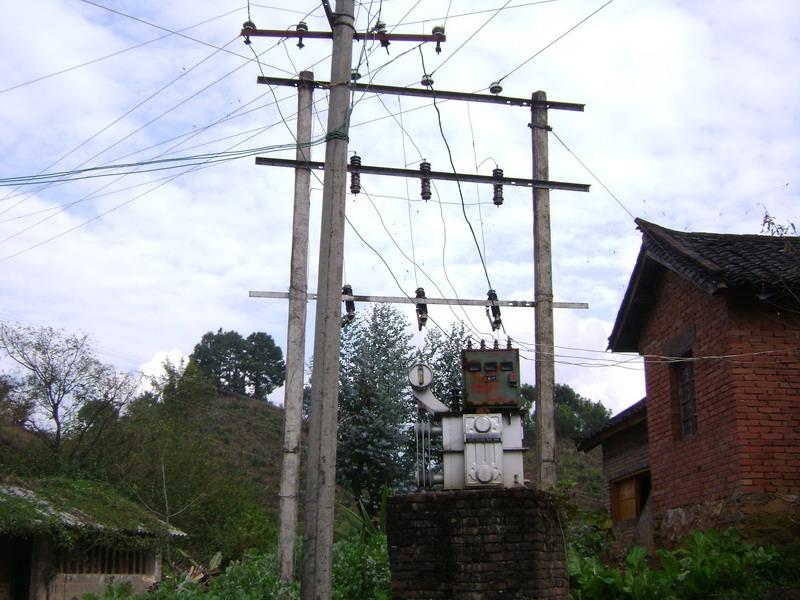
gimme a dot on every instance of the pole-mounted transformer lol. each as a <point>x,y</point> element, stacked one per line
<point>481,432</point>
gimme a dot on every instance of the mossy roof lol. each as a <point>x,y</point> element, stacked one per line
<point>64,509</point>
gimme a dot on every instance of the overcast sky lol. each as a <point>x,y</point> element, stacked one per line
<point>691,122</point>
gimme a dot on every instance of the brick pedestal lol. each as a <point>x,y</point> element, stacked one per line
<point>476,545</point>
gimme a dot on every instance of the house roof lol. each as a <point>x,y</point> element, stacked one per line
<point>60,508</point>
<point>714,262</point>
<point>636,413</point>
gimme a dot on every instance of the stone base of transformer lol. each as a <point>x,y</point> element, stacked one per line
<point>482,544</point>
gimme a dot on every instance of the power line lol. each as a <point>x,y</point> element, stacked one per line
<point>171,31</point>
<point>469,39</point>
<point>458,183</point>
<point>476,12</point>
<point>596,178</point>
<point>567,32</point>
<point>117,120</point>
<point>113,54</point>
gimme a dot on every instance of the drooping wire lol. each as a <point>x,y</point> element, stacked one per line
<point>113,54</point>
<point>469,39</point>
<point>458,183</point>
<point>563,35</point>
<point>171,31</point>
<point>476,12</point>
<point>595,177</point>
<point>475,159</point>
<point>408,194</point>
<point>120,118</point>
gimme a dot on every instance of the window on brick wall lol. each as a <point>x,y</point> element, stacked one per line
<point>629,495</point>
<point>685,406</point>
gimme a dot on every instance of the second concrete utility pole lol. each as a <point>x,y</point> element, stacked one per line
<point>321,472</point>
<point>296,334</point>
<point>543,295</point>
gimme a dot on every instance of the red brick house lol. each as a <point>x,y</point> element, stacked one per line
<point>717,319</point>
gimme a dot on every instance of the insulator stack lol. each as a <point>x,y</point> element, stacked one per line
<point>301,26</point>
<point>422,309</point>
<point>493,311</point>
<point>355,176</point>
<point>380,30</point>
<point>498,187</point>
<point>425,180</point>
<point>248,26</point>
<point>439,31</point>
<point>349,305</point>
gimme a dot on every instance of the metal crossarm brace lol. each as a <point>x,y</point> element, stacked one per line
<point>442,175</point>
<point>367,35</point>
<point>412,300</point>
<point>434,94</point>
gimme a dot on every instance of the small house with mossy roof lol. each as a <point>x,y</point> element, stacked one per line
<point>716,443</point>
<point>63,538</point>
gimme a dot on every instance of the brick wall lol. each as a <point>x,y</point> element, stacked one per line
<point>703,466</point>
<point>476,545</point>
<point>767,391</point>
<point>748,407</point>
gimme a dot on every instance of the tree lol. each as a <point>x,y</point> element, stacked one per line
<point>252,366</point>
<point>575,416</point>
<point>375,405</point>
<point>442,352</point>
<point>68,397</point>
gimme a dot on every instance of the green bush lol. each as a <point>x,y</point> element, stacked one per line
<point>360,572</point>
<point>708,564</point>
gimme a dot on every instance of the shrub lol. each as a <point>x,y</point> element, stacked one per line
<point>708,564</point>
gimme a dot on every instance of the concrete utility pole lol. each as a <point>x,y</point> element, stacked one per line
<point>543,295</point>
<point>296,335</point>
<point>321,471</point>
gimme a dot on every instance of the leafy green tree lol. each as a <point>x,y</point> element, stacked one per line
<point>442,352</point>
<point>575,416</point>
<point>375,405</point>
<point>252,366</point>
<point>64,395</point>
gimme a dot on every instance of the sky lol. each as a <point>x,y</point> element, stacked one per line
<point>691,122</point>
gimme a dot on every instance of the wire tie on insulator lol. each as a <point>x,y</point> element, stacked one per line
<point>427,80</point>
<point>355,75</point>
<point>498,187</point>
<point>495,88</point>
<point>493,311</point>
<point>248,26</point>
<point>438,31</point>
<point>349,305</point>
<point>425,180</point>
<point>355,174</point>
<point>483,344</point>
<point>301,26</point>
<point>422,309</point>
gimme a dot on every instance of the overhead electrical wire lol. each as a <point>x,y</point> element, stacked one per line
<point>117,53</point>
<point>174,32</point>
<point>117,120</point>
<point>475,12</point>
<point>412,260</point>
<point>469,39</point>
<point>458,183</point>
<point>560,37</point>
